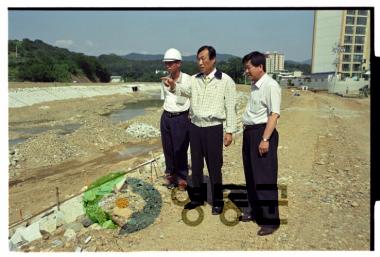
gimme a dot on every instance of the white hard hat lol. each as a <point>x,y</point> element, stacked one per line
<point>172,54</point>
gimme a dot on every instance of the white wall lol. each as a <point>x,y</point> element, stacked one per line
<point>327,29</point>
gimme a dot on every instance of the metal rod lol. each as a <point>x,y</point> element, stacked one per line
<point>154,163</point>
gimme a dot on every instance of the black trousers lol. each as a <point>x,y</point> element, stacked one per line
<point>206,143</point>
<point>261,175</point>
<point>175,142</point>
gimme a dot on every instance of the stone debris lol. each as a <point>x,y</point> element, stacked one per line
<point>354,204</point>
<point>57,243</point>
<point>15,157</point>
<point>45,235</point>
<point>48,224</point>
<point>31,232</point>
<point>69,234</point>
<point>87,240</point>
<point>143,130</point>
<point>86,222</point>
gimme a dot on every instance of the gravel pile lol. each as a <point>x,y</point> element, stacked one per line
<point>142,130</point>
<point>14,161</point>
<point>52,148</point>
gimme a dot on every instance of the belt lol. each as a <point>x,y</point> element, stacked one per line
<point>174,114</point>
<point>256,126</point>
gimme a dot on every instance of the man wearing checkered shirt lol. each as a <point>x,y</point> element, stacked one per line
<point>212,102</point>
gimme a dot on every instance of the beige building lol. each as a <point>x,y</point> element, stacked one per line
<point>274,62</point>
<point>341,42</point>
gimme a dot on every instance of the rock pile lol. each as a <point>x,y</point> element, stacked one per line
<point>142,130</point>
<point>15,157</point>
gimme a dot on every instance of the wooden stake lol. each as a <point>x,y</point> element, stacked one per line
<point>57,194</point>
<point>151,172</point>
<point>85,178</point>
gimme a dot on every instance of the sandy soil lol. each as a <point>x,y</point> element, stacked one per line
<point>324,162</point>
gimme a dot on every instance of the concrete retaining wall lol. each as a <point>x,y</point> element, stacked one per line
<point>28,96</point>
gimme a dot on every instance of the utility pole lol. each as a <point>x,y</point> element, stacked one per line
<point>362,69</point>
<point>337,50</point>
<point>18,43</point>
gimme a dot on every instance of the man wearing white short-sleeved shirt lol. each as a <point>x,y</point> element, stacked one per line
<point>260,142</point>
<point>175,123</point>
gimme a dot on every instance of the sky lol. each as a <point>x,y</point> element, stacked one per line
<point>152,32</point>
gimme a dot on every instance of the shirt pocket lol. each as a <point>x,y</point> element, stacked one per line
<point>256,103</point>
<point>180,100</point>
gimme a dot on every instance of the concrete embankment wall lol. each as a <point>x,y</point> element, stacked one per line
<point>348,86</point>
<point>20,97</point>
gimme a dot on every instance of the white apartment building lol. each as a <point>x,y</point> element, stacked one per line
<point>341,42</point>
<point>274,62</point>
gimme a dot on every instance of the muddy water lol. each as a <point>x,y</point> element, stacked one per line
<point>16,141</point>
<point>132,110</point>
<point>27,132</point>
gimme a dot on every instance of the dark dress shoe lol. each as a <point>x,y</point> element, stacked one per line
<point>216,210</point>
<point>264,231</point>
<point>170,181</point>
<point>192,205</point>
<point>182,185</point>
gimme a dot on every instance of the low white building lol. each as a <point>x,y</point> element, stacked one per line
<point>163,72</point>
<point>116,79</point>
<point>297,73</point>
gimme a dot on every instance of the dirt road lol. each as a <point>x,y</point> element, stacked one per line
<point>324,161</point>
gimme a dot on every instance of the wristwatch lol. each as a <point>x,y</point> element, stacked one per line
<point>265,139</point>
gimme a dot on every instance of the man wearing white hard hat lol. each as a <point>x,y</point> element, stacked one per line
<point>175,124</point>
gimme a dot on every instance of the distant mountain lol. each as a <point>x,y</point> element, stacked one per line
<point>294,65</point>
<point>298,62</point>
<point>143,57</point>
<point>291,62</point>
<point>159,57</point>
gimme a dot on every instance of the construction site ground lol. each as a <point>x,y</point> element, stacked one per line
<point>324,162</point>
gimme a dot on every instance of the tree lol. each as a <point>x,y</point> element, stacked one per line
<point>38,61</point>
<point>60,73</point>
<point>102,73</point>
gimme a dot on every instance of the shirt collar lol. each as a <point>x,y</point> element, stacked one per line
<point>212,74</point>
<point>179,80</point>
<point>260,82</point>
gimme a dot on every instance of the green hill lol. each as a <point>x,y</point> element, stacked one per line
<point>37,61</point>
<point>40,62</point>
<point>191,58</point>
<point>140,70</point>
